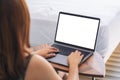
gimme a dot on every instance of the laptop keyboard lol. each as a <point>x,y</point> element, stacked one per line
<point>67,50</point>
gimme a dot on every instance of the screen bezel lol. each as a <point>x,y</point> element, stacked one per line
<point>78,16</point>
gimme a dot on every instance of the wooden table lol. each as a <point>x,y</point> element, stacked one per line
<point>94,67</point>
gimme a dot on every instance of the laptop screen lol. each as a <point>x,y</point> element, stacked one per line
<point>77,30</point>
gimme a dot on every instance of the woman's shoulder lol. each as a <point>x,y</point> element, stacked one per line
<point>36,60</point>
<point>40,69</point>
<point>34,66</point>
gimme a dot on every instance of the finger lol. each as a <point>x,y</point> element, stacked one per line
<point>81,55</point>
<point>51,55</point>
<point>76,51</point>
<point>53,48</point>
<point>71,53</point>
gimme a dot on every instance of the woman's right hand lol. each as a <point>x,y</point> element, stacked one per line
<point>75,58</point>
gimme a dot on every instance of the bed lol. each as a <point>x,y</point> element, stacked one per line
<point>44,18</point>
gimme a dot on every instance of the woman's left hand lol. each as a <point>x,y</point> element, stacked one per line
<point>45,51</point>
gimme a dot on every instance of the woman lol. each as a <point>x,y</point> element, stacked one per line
<point>17,59</point>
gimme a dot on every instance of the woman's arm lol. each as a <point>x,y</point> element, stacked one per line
<point>73,73</point>
<point>74,59</point>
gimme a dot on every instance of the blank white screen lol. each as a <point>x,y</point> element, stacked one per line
<point>76,30</point>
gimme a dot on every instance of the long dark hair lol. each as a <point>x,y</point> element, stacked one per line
<point>14,35</point>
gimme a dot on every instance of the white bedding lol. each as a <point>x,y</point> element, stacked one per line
<point>44,16</point>
<point>48,9</point>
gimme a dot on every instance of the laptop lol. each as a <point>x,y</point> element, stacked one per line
<point>74,32</point>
